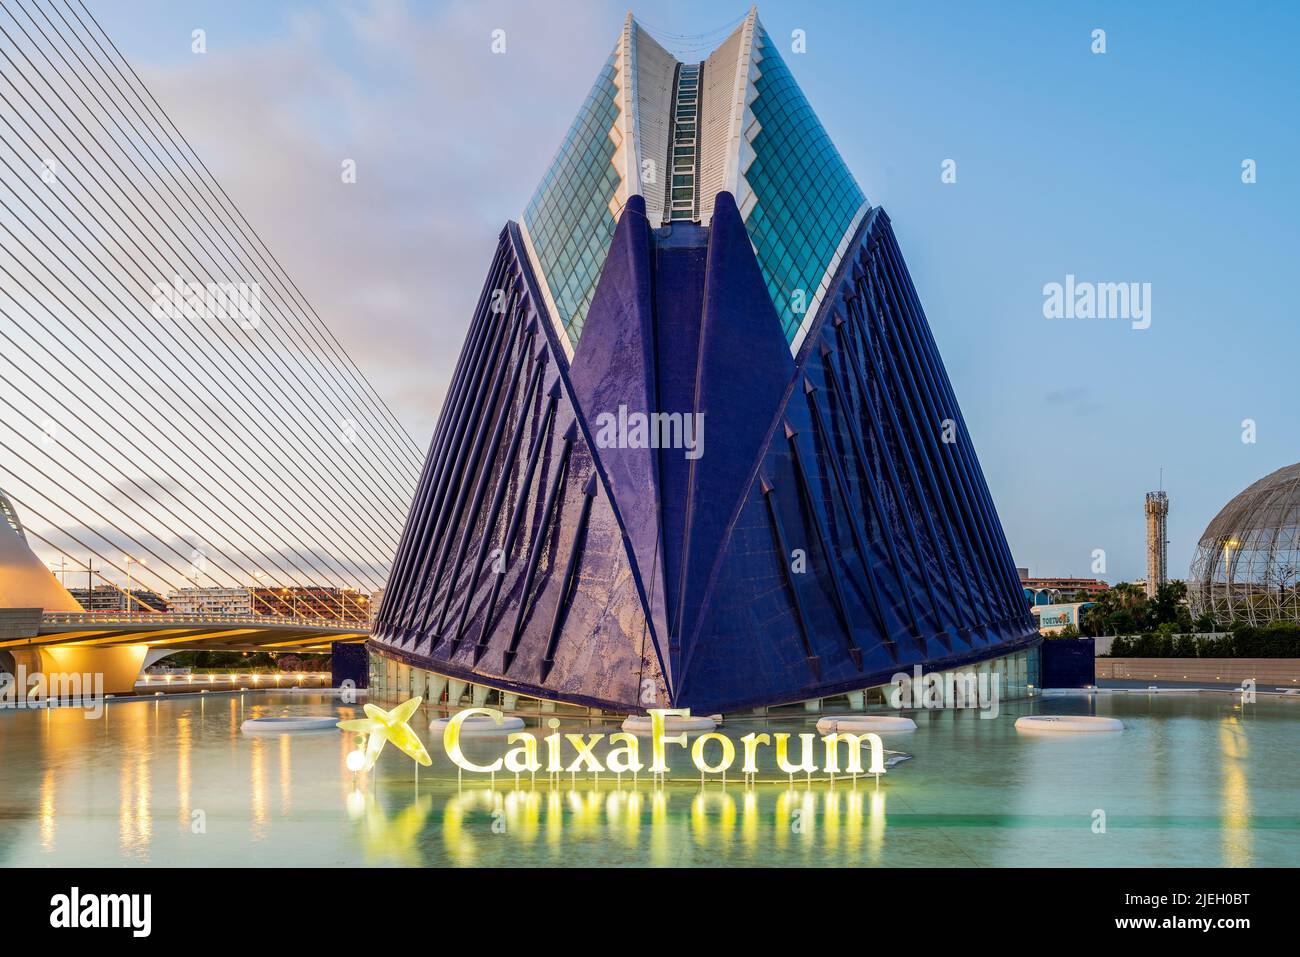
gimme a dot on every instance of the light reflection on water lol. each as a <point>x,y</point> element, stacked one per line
<point>1234,746</point>
<point>1194,780</point>
<point>477,824</point>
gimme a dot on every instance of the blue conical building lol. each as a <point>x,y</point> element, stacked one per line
<point>700,449</point>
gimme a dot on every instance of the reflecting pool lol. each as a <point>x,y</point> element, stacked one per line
<point>1195,779</point>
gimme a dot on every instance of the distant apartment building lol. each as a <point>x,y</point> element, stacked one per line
<point>1069,586</point>
<point>314,601</point>
<point>330,603</point>
<point>109,598</point>
<point>1047,591</point>
<point>206,602</point>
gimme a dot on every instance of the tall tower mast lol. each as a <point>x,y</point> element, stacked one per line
<point>1157,509</point>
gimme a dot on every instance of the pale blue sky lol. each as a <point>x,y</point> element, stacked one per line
<point>1117,167</point>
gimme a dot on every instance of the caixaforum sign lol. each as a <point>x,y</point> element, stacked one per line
<point>711,753</point>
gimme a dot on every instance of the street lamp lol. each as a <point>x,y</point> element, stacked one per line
<point>290,599</point>
<point>127,559</point>
<point>257,583</point>
<point>1227,574</point>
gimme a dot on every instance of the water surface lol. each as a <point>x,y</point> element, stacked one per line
<point>1194,780</point>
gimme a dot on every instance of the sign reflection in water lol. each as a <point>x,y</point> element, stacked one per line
<point>658,826</point>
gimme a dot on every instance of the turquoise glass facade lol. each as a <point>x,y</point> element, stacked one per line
<point>569,219</point>
<point>807,197</point>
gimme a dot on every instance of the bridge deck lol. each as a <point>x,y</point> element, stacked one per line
<point>253,633</point>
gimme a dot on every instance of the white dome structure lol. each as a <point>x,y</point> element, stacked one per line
<point>1247,564</point>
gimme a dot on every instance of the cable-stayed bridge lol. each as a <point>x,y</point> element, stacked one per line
<point>175,416</point>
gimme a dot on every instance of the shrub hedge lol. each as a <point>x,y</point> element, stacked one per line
<point>1277,640</point>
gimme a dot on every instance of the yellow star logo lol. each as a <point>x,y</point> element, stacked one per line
<point>384,726</point>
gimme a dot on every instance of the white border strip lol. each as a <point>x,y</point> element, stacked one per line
<point>552,311</point>
<point>810,316</point>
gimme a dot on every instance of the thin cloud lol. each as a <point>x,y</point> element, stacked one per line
<point>448,140</point>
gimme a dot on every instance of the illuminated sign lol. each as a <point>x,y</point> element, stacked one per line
<point>1058,616</point>
<point>383,726</point>
<point>711,753</point>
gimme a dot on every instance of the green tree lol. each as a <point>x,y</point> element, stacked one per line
<point>1169,605</point>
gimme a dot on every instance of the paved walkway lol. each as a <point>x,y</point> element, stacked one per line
<point>1187,685</point>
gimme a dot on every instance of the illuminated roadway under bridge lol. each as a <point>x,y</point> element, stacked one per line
<point>120,646</point>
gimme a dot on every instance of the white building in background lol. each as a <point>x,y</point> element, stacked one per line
<point>203,602</point>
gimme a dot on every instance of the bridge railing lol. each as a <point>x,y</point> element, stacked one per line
<point>169,618</point>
